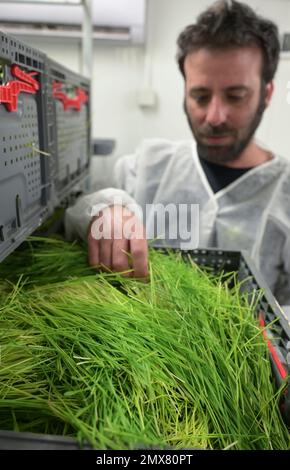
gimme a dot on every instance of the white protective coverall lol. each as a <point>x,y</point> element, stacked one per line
<point>252,213</point>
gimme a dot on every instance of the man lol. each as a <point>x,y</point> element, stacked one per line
<point>228,60</point>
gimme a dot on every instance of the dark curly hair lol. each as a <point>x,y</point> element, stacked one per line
<point>229,24</point>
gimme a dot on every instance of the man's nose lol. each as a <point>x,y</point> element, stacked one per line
<point>216,112</point>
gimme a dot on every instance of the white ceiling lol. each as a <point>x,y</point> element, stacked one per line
<point>105,12</point>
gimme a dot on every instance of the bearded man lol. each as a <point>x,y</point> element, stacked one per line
<point>228,59</point>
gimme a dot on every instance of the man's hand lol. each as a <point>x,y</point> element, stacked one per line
<point>117,242</point>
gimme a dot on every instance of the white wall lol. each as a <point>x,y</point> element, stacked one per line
<point>166,19</point>
<point>120,72</point>
<point>274,130</point>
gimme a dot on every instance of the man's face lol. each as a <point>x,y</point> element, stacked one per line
<point>224,100</point>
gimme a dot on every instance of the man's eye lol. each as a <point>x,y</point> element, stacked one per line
<point>235,98</point>
<point>202,99</point>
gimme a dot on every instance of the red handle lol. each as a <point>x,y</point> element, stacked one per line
<point>282,371</point>
<point>76,102</point>
<point>11,90</point>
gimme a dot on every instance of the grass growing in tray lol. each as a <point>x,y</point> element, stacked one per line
<point>178,362</point>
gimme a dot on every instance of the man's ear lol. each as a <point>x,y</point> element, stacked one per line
<point>269,92</point>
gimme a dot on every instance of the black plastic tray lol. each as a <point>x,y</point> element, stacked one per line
<point>268,311</point>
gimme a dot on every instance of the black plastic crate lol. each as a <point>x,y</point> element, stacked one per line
<point>10,440</point>
<point>24,186</point>
<point>68,118</point>
<point>45,145</point>
<point>268,311</point>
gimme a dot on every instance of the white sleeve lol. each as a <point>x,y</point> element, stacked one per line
<point>125,172</point>
<point>78,217</point>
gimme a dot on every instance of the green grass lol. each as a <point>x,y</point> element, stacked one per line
<point>176,362</point>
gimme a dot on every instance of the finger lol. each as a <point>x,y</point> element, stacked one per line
<point>139,252</point>
<point>93,249</point>
<point>93,252</point>
<point>120,258</point>
<point>105,253</point>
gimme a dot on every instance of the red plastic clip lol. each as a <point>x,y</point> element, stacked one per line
<point>76,102</point>
<point>272,350</point>
<point>27,84</point>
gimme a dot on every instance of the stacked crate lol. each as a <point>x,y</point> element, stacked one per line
<point>44,139</point>
<point>24,193</point>
<point>68,115</point>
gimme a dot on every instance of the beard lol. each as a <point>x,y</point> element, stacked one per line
<point>225,153</point>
